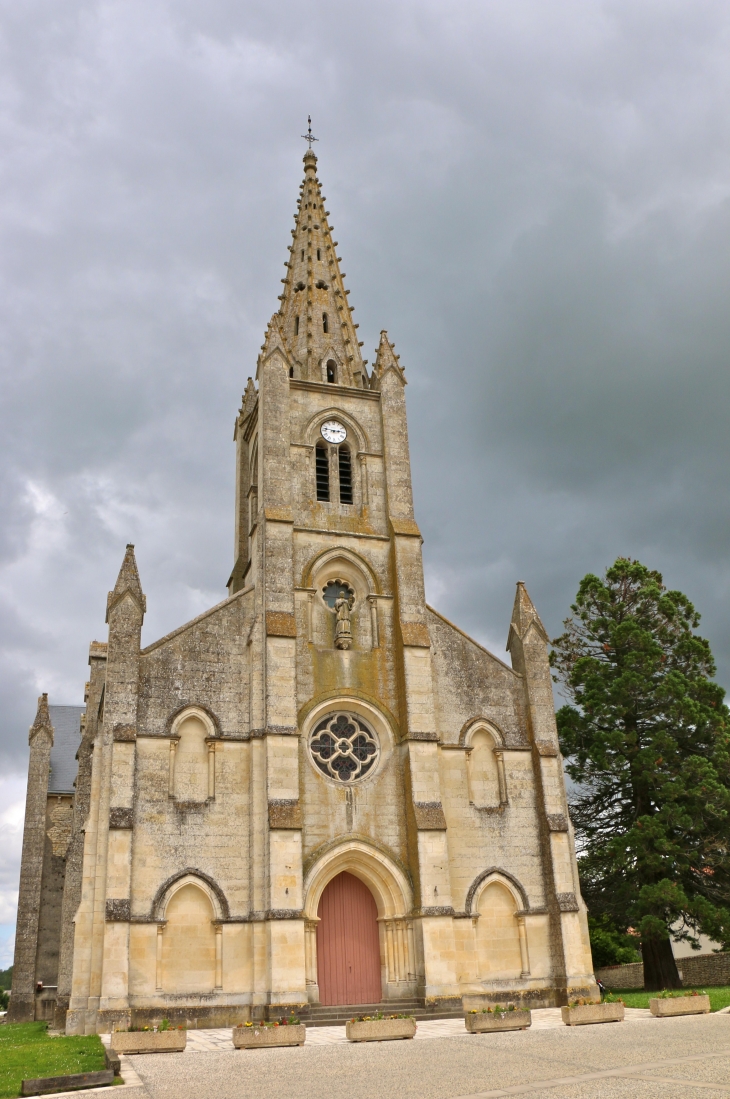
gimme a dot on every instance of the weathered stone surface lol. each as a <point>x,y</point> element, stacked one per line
<point>260,1037</point>
<point>380,1030</point>
<point>663,1007</point>
<point>149,1041</point>
<point>481,1022</point>
<point>582,1014</point>
<point>205,828</point>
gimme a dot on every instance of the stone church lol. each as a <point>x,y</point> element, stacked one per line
<point>320,792</point>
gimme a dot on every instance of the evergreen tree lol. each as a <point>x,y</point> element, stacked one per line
<point>647,740</point>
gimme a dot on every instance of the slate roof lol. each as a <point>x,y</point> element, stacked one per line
<point>66,721</point>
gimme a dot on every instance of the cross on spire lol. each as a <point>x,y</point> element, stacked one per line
<point>309,136</point>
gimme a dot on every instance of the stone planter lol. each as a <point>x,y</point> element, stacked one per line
<point>149,1041</point>
<point>679,1005</point>
<point>263,1037</point>
<point>380,1030</point>
<point>482,1022</point>
<point>592,1013</point>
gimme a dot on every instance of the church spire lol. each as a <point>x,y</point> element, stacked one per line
<point>315,317</point>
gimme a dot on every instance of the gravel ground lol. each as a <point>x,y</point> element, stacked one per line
<point>466,1067</point>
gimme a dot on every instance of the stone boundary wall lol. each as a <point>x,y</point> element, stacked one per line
<point>703,969</point>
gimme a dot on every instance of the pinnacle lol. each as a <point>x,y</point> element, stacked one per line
<point>386,358</point>
<point>524,615</point>
<point>42,720</point>
<point>317,330</point>
<point>127,582</point>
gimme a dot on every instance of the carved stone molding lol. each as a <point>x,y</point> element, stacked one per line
<point>125,732</point>
<point>280,624</point>
<point>121,818</point>
<point>118,911</point>
<point>429,816</point>
<point>567,902</point>
<point>285,814</point>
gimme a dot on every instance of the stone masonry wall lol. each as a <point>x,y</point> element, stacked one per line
<point>704,969</point>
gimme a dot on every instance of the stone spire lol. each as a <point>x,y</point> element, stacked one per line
<point>386,359</point>
<point>127,583</point>
<point>315,317</point>
<point>524,615</point>
<point>42,722</point>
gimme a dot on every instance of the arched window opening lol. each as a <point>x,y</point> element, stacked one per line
<point>296,326</point>
<point>291,371</point>
<point>345,475</point>
<point>319,253</point>
<point>323,472</point>
<point>302,253</point>
<point>325,323</point>
<point>485,788</point>
<point>331,371</point>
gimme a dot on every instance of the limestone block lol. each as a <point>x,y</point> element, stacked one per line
<point>380,1030</point>
<point>149,1041</point>
<point>482,1022</point>
<point>582,1014</point>
<point>262,1037</point>
<point>663,1007</point>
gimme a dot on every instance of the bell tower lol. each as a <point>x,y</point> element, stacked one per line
<point>327,539</point>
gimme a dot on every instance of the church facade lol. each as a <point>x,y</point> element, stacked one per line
<point>320,791</point>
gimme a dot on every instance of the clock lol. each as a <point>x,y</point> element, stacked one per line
<point>333,432</point>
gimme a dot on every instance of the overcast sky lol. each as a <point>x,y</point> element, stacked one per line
<point>533,198</point>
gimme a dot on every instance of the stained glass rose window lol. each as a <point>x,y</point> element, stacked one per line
<point>343,747</point>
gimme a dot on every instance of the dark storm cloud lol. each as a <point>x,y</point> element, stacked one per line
<point>532,198</point>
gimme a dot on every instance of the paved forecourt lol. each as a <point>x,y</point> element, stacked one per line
<point>642,1058</point>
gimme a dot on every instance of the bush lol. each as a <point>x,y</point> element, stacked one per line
<point>611,946</point>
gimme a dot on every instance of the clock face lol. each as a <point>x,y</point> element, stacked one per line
<point>333,432</point>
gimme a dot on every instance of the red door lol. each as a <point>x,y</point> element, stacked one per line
<point>348,945</point>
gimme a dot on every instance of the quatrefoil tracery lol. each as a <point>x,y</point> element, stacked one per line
<point>343,747</point>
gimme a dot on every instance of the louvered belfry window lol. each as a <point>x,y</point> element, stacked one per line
<point>345,475</point>
<point>322,472</point>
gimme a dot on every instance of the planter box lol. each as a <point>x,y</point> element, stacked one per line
<point>679,1005</point>
<point>380,1030</point>
<point>485,1021</point>
<point>149,1041</point>
<point>592,1013</point>
<point>45,1085</point>
<point>262,1037</point>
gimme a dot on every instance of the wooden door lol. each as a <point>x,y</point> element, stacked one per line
<point>348,944</point>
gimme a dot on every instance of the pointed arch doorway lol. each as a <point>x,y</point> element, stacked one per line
<point>348,943</point>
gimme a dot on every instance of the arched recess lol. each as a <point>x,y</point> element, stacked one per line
<point>393,898</point>
<point>347,487</point>
<point>356,434</point>
<point>356,576</point>
<point>499,902</point>
<point>486,777</point>
<point>193,737</point>
<point>189,909</point>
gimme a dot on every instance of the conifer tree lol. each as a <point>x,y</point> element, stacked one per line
<point>647,741</point>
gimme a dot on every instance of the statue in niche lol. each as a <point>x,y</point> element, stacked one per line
<point>343,631</point>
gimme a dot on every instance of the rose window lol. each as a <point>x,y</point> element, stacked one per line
<point>343,747</point>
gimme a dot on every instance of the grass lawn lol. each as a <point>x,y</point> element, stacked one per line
<point>26,1052</point>
<point>637,997</point>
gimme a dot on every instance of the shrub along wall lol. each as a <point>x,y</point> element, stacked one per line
<point>703,969</point>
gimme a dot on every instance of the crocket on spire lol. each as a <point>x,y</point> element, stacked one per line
<point>315,316</point>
